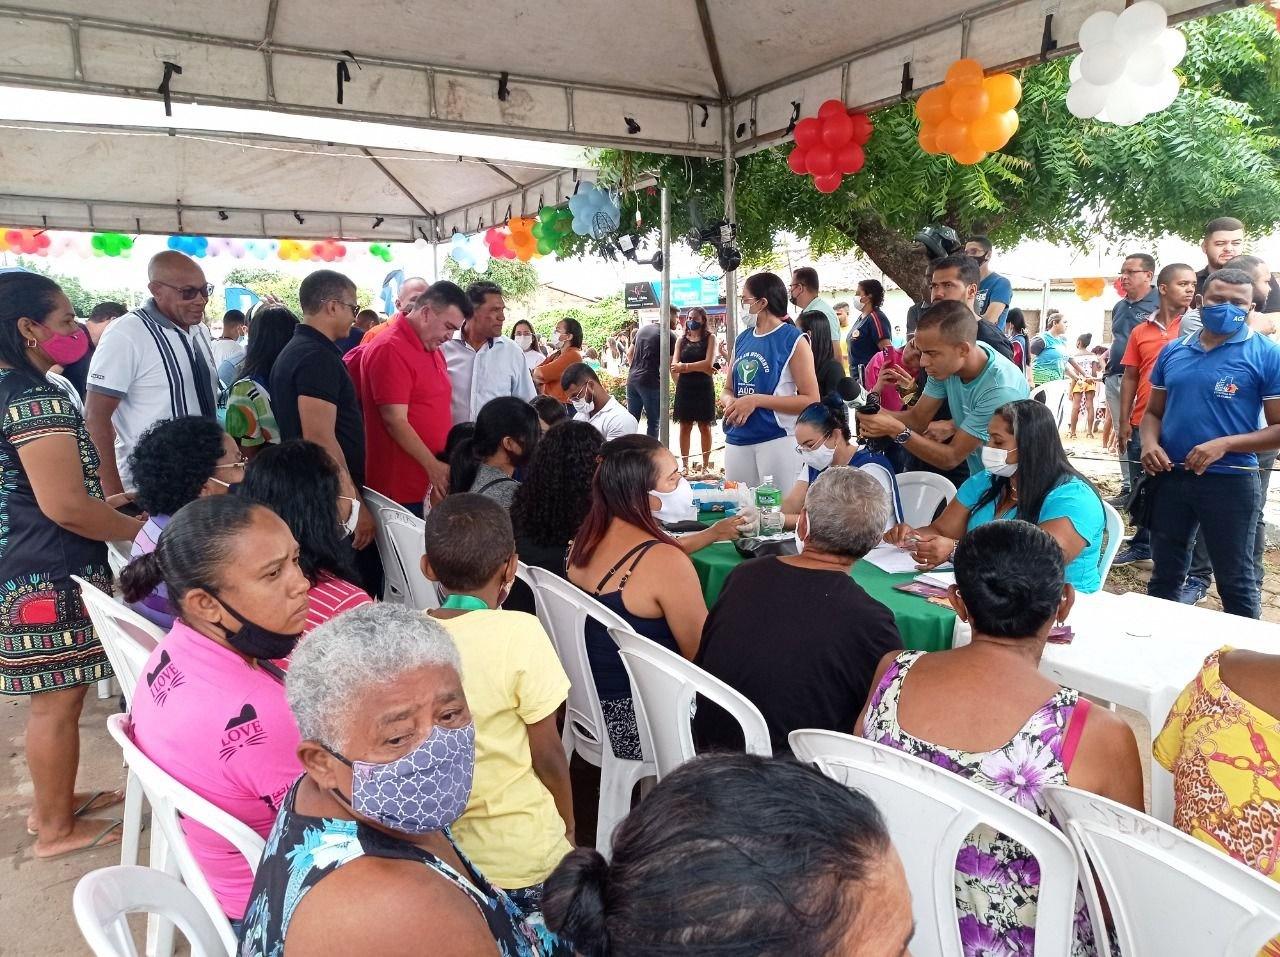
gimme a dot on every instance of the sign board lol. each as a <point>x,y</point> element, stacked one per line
<point>685,293</point>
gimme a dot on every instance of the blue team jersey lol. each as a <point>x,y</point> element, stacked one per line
<point>760,367</point>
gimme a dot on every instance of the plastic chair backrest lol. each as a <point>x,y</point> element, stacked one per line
<point>664,686</point>
<point>929,812</point>
<point>170,801</point>
<point>921,494</point>
<point>104,899</point>
<point>1111,544</point>
<point>890,486</point>
<point>399,536</point>
<point>1054,396</point>
<point>118,556</point>
<point>567,608</point>
<point>127,637</point>
<point>1169,893</point>
<point>525,574</point>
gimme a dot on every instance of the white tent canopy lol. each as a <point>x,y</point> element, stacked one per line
<point>696,77</point>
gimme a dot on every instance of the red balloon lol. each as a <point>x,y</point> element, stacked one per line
<point>830,108</point>
<point>850,159</point>
<point>837,130</point>
<point>821,161</point>
<point>797,162</point>
<point>862,128</point>
<point>827,184</point>
<point>808,133</point>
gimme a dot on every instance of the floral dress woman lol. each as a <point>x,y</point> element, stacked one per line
<point>997,879</point>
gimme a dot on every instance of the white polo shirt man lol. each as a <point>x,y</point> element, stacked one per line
<point>497,368</point>
<point>611,420</point>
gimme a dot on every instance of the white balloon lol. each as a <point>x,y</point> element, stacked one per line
<point>1163,94</point>
<point>1086,100</point>
<point>1146,65</point>
<point>1103,64</point>
<point>1074,72</point>
<point>1142,22</point>
<point>1099,28</point>
<point>1174,46</point>
<point>1126,103</point>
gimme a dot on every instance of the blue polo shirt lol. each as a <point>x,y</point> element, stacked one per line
<point>994,288</point>
<point>973,403</point>
<point>1215,393</point>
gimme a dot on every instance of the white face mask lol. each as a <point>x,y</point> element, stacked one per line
<point>524,341</point>
<point>677,505</point>
<point>996,461</point>
<point>349,526</point>
<point>819,458</point>
<point>799,537</point>
<point>583,404</point>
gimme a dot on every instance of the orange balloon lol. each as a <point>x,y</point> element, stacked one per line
<point>928,140</point>
<point>934,106</point>
<point>964,73</point>
<point>969,156</point>
<point>969,102</point>
<point>952,135</point>
<point>1003,90</point>
<point>992,131</point>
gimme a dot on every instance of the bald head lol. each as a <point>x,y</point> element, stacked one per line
<point>410,290</point>
<point>177,284</point>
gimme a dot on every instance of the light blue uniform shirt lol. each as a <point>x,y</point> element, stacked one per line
<point>973,403</point>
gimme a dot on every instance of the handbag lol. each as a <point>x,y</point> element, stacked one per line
<point>1142,499</point>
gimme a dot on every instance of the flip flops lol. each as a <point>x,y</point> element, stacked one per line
<point>99,840</point>
<point>91,804</point>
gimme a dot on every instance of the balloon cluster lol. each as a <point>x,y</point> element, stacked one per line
<point>553,225</point>
<point>330,250</point>
<point>970,115</point>
<point>32,242</point>
<point>495,239</point>
<point>470,252</point>
<point>196,247</point>
<point>829,145</point>
<point>290,250</point>
<point>1125,72</point>
<point>381,251</point>
<point>226,247</point>
<point>260,248</point>
<point>595,213</point>
<point>110,245</point>
<point>521,239</point>
<point>1089,287</point>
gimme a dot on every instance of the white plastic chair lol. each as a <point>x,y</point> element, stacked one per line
<point>1170,894</point>
<point>567,608</point>
<point>399,536</point>
<point>921,494</point>
<point>170,802</point>
<point>1056,396</point>
<point>929,812</point>
<point>1111,543</point>
<point>104,899</point>
<point>118,556</point>
<point>128,639</point>
<point>664,686</point>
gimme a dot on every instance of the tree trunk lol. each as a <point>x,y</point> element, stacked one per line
<point>901,258</point>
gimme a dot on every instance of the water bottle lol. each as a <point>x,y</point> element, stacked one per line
<point>769,503</point>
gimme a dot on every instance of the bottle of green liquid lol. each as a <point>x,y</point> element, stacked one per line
<point>769,503</point>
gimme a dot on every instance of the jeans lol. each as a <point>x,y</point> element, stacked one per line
<point>1111,385</point>
<point>1141,540</point>
<point>1225,507</point>
<point>648,399</point>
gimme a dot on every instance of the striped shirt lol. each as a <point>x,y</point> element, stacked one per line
<point>331,596</point>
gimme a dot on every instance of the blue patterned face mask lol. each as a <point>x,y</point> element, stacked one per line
<point>424,791</point>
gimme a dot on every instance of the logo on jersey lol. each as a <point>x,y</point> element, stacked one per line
<point>1226,387</point>
<point>242,731</point>
<point>164,678</point>
<point>747,370</point>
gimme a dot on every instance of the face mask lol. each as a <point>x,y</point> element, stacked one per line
<point>64,349</point>
<point>693,325</point>
<point>677,505</point>
<point>583,405</point>
<point>524,341</point>
<point>1223,318</point>
<point>254,640</point>
<point>799,538</point>
<point>349,526</point>
<point>425,791</point>
<point>996,461</point>
<point>819,458</point>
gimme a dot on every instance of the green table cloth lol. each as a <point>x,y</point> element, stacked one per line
<point>923,625</point>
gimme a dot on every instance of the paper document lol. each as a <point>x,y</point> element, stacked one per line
<point>891,559</point>
<point>942,579</point>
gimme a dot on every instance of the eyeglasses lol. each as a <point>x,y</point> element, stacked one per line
<point>1133,272</point>
<point>354,307</point>
<point>746,300</point>
<point>801,449</point>
<point>239,464</point>
<point>189,292</point>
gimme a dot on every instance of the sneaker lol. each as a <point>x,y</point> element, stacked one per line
<point>1121,500</point>
<point>1138,557</point>
<point>1194,590</point>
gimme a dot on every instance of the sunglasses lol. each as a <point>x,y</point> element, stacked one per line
<point>189,292</point>
<point>354,307</point>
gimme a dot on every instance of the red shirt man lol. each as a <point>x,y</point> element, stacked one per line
<point>403,383</point>
<point>1177,287</point>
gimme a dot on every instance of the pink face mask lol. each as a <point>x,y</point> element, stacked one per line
<point>64,349</point>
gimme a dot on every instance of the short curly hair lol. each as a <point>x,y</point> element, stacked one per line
<point>172,461</point>
<point>555,496</point>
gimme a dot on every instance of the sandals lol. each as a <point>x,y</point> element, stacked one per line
<point>99,840</point>
<point>91,804</point>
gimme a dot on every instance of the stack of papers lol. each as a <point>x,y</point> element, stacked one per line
<point>895,561</point>
<point>939,579</point>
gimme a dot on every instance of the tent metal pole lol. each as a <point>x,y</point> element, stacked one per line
<point>730,285</point>
<point>664,324</point>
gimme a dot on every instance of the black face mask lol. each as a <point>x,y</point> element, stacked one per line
<point>254,640</point>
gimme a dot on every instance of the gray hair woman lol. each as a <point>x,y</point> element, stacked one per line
<point>806,610</point>
<point>361,858</point>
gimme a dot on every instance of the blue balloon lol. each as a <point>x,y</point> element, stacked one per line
<point>594,212</point>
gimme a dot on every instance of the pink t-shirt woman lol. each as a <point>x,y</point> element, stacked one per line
<point>221,727</point>
<point>890,397</point>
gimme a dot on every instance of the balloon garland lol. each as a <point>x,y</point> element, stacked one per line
<point>1125,70</point>
<point>496,239</point>
<point>31,242</point>
<point>553,225</point>
<point>970,115</point>
<point>197,247</point>
<point>520,237</point>
<point>595,213</point>
<point>829,146</point>
<point>470,252</point>
<point>110,245</point>
<point>380,251</point>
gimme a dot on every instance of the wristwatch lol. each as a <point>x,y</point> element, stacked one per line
<point>903,437</point>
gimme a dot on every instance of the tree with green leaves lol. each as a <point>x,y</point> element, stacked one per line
<point>271,282</point>
<point>519,280</point>
<point>1214,152</point>
<point>599,320</point>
